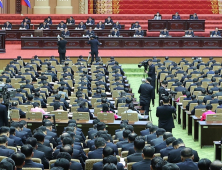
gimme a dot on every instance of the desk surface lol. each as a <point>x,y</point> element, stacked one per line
<point>126,43</point>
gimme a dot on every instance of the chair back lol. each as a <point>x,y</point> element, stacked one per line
<point>181,99</point>
<point>122,109</point>
<point>106,117</point>
<point>31,168</point>
<point>12,148</point>
<point>89,163</point>
<point>219,110</point>
<point>192,105</point>
<point>14,114</point>
<point>129,165</point>
<point>34,115</point>
<point>132,117</point>
<point>25,108</point>
<point>214,118</point>
<point>37,160</point>
<point>60,115</point>
<point>185,102</point>
<point>124,154</point>
<point>82,116</point>
<point>199,112</point>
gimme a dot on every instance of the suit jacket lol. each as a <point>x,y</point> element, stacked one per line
<point>160,146</point>
<point>4,116</point>
<point>189,33</point>
<point>99,166</point>
<point>111,145</point>
<point>165,116</point>
<point>82,26</point>
<point>94,45</point>
<point>117,26</point>
<point>151,73</point>
<point>18,141</point>
<point>151,137</point>
<point>62,46</point>
<point>188,105</point>
<point>119,135</point>
<point>115,33</point>
<point>216,33</point>
<point>71,21</point>
<point>91,132</point>
<point>141,33</point>
<point>164,33</point>
<point>136,157</point>
<point>188,164</point>
<point>120,143</point>
<point>146,92</point>
<point>100,26</point>
<point>142,165</point>
<point>145,132</point>
<point>192,17</point>
<point>29,133</point>
<point>96,154</point>
<point>174,17</point>
<point>31,87</point>
<point>165,151</point>
<point>180,88</point>
<point>41,155</point>
<point>174,155</point>
<point>47,150</point>
<point>214,101</point>
<point>197,107</point>
<point>5,151</point>
<point>157,141</point>
<point>73,166</point>
<point>31,164</point>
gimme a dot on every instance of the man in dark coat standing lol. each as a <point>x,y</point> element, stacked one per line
<point>4,113</point>
<point>152,73</point>
<point>165,114</point>
<point>146,94</point>
<point>94,47</point>
<point>62,48</point>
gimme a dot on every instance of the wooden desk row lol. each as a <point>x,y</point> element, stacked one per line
<point>125,43</point>
<point>68,26</point>
<point>176,25</point>
<point>85,125</point>
<point>15,35</point>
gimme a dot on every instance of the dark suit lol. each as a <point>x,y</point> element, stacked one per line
<point>71,21</point>
<point>151,73</point>
<point>94,48</point>
<point>31,87</point>
<point>165,114</point>
<point>145,132</point>
<point>197,107</point>
<point>62,49</point>
<point>47,150</point>
<point>188,105</point>
<point>5,152</point>
<point>18,140</point>
<point>174,155</point>
<point>127,146</point>
<point>215,33</point>
<point>73,166</point>
<point>66,33</point>
<point>142,165</point>
<point>189,33</point>
<point>115,33</point>
<point>214,101</point>
<point>96,154</point>
<point>31,164</point>
<point>192,17</point>
<point>4,116</point>
<point>164,33</point>
<point>99,166</point>
<point>136,157</point>
<point>139,33</point>
<point>44,26</point>
<point>165,151</point>
<point>41,155</point>
<point>82,26</point>
<point>176,17</point>
<point>157,141</point>
<point>111,145</point>
<point>180,88</point>
<point>90,33</point>
<point>100,26</point>
<point>151,137</point>
<point>146,94</point>
<point>120,143</point>
<point>160,146</point>
<point>188,164</point>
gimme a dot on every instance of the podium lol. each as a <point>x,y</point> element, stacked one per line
<point>2,41</point>
<point>64,7</point>
<point>41,7</point>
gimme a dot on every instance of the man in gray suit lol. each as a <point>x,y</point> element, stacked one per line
<point>159,139</point>
<point>152,134</point>
<point>119,134</point>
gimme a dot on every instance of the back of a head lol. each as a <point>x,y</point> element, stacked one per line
<point>186,153</point>
<point>5,165</point>
<point>139,143</point>
<point>66,149</point>
<point>110,159</point>
<point>64,155</point>
<point>204,164</point>
<point>153,129</point>
<point>18,158</point>
<point>160,131</point>
<point>39,136</point>
<point>149,125</point>
<point>209,107</point>
<point>167,135</point>
<point>100,142</point>
<point>3,139</point>
<point>101,126</point>
<point>31,141</point>
<point>170,166</point>
<point>108,151</point>
<point>130,127</point>
<point>126,133</point>
<point>62,162</point>
<point>148,151</point>
<point>177,142</point>
<point>216,165</point>
<point>170,140</point>
<point>110,166</point>
<point>27,150</point>
<point>132,137</point>
<point>157,163</point>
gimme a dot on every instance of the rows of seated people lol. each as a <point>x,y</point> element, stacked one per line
<point>196,81</point>
<point>153,148</point>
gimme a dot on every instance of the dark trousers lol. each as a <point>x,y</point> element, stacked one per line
<point>62,57</point>
<point>94,54</point>
<point>168,130</point>
<point>146,107</point>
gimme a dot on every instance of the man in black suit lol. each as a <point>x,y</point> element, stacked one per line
<point>199,106</point>
<point>125,139</point>
<point>147,129</point>
<point>5,131</point>
<point>100,143</point>
<point>94,47</point>
<point>216,165</point>
<point>148,154</point>
<point>168,148</point>
<point>166,119</point>
<point>187,160</point>
<point>4,151</point>
<point>162,145</point>
<point>152,73</point>
<point>27,150</point>
<point>18,140</point>
<point>25,129</point>
<point>47,150</point>
<point>220,92</point>
<point>174,155</point>
<point>139,144</point>
<point>208,97</point>
<point>19,159</point>
<point>146,94</point>
<point>130,143</point>
<point>29,85</point>
<point>110,144</point>
<point>152,134</point>
<point>159,137</point>
<point>180,87</point>
<point>194,100</point>
<point>38,154</point>
<point>62,48</point>
<point>214,99</point>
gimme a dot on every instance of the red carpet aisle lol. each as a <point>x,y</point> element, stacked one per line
<point>153,6</point>
<point>15,50</point>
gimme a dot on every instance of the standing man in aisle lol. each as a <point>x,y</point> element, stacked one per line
<point>152,73</point>
<point>146,94</point>
<point>62,48</point>
<point>94,47</point>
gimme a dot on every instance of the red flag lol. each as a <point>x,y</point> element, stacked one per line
<point>24,3</point>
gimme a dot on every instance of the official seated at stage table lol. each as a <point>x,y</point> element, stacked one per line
<point>139,33</point>
<point>90,32</point>
<point>189,33</point>
<point>108,21</point>
<point>176,16</point>
<point>164,33</point>
<point>44,26</point>
<point>7,25</point>
<point>24,26</point>
<point>90,21</point>
<point>215,33</point>
<point>66,32</point>
<point>157,16</point>
<point>135,26</point>
<point>70,21</point>
<point>117,25</point>
<point>194,16</point>
<point>81,26</point>
<point>115,33</point>
<point>27,20</point>
<point>100,26</point>
<point>48,20</point>
<point>62,25</point>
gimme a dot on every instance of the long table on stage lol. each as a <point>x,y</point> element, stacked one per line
<point>2,41</point>
<point>126,43</point>
<point>176,25</point>
<point>15,35</point>
<point>85,125</point>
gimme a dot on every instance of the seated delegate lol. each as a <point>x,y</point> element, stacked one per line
<point>90,21</point>
<point>81,26</point>
<point>48,20</point>
<point>100,26</point>
<point>7,25</point>
<point>44,26</point>
<point>108,21</point>
<point>164,33</point>
<point>157,16</point>
<point>215,33</point>
<point>115,33</point>
<point>139,33</point>
<point>24,26</point>
<point>176,16</point>
<point>70,21</point>
<point>189,33</point>
<point>117,25</point>
<point>61,26</point>
<point>135,26</point>
<point>66,32</point>
<point>194,16</point>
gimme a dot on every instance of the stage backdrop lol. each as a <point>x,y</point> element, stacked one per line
<point>153,6</point>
